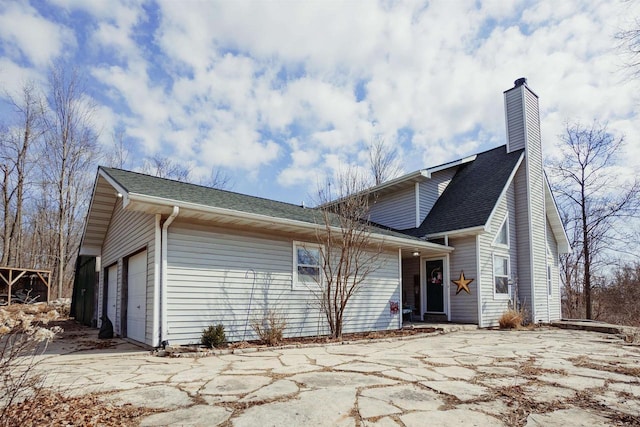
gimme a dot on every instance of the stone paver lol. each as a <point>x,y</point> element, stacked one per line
<point>198,415</point>
<point>157,397</point>
<point>454,417</point>
<point>466,378</point>
<point>462,390</point>
<point>567,418</point>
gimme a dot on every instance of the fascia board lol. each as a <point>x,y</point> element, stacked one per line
<point>452,164</point>
<point>553,213</point>
<point>463,231</point>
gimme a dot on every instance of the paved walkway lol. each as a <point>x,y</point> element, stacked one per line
<point>543,377</point>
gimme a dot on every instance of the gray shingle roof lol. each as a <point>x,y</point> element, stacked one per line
<point>177,191</point>
<point>471,195</point>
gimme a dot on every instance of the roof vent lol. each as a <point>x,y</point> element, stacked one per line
<point>521,81</point>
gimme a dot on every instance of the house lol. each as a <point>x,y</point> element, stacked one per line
<point>458,242</point>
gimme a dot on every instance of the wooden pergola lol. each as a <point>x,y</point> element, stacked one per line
<point>11,275</point>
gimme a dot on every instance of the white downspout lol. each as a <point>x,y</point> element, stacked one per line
<point>156,282</point>
<point>400,282</point>
<point>163,282</point>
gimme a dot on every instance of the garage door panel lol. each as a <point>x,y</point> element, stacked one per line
<point>112,292</point>
<point>137,296</point>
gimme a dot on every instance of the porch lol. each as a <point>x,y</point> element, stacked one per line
<point>425,288</point>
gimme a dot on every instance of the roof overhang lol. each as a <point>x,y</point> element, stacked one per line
<point>103,199</point>
<point>555,221</point>
<point>231,217</point>
<point>107,191</point>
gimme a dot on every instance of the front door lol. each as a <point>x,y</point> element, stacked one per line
<point>434,271</point>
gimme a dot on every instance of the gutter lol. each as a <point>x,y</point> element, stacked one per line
<point>163,275</point>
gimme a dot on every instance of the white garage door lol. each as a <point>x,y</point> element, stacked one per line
<point>137,296</point>
<point>112,291</point>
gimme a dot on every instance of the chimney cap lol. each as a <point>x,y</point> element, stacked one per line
<point>519,82</point>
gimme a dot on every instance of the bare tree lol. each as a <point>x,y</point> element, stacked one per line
<point>218,179</point>
<point>70,150</point>
<point>383,161</point>
<point>118,156</point>
<point>347,254</point>
<point>164,167</point>
<point>592,198</point>
<point>630,44</point>
<point>570,270</point>
<point>16,153</point>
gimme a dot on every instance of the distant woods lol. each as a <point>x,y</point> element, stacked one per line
<point>49,153</point>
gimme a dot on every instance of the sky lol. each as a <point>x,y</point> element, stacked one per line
<point>279,95</point>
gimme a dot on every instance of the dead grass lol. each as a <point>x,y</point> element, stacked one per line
<point>615,367</point>
<point>511,319</point>
<point>54,409</point>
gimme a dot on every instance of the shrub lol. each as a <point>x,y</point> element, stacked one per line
<point>24,334</point>
<point>213,336</point>
<point>270,328</point>
<point>511,319</point>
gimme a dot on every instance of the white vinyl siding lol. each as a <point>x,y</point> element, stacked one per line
<point>514,116</point>
<point>523,241</point>
<point>215,276</point>
<point>464,306</point>
<point>494,304</point>
<point>396,210</point>
<point>128,232</point>
<point>538,214</point>
<point>523,131</point>
<point>432,189</point>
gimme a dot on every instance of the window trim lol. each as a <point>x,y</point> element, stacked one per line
<point>504,223</point>
<point>296,283</point>
<point>500,295</point>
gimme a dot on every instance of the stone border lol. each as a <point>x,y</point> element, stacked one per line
<point>175,351</point>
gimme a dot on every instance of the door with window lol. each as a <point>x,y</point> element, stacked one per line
<point>434,272</point>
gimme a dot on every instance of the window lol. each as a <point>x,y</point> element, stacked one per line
<point>306,259</point>
<point>501,274</point>
<point>502,238</point>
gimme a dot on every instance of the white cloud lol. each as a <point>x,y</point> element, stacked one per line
<point>24,32</point>
<point>297,89</point>
<point>14,76</point>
